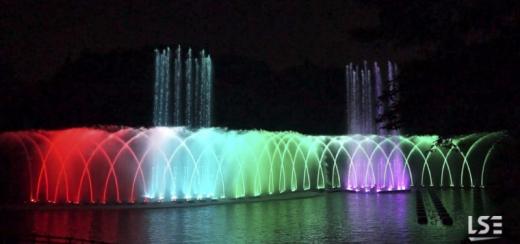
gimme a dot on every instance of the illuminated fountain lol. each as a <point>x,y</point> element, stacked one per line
<point>365,87</point>
<point>192,89</point>
<point>84,165</point>
<point>183,163</point>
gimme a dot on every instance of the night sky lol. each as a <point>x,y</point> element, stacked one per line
<point>38,37</point>
<point>279,65</point>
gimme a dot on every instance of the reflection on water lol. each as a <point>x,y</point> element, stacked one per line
<point>331,217</point>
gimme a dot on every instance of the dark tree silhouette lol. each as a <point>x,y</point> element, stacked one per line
<point>464,78</point>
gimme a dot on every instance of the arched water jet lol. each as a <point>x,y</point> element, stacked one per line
<point>84,165</point>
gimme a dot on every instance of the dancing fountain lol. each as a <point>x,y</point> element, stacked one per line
<point>194,161</point>
<point>85,165</point>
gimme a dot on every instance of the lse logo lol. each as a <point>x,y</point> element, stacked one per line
<point>483,234</point>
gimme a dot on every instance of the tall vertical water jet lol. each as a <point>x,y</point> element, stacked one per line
<point>162,87</point>
<point>203,84</point>
<point>177,115</point>
<point>166,78</point>
<point>196,90</point>
<point>209,91</point>
<point>192,89</point>
<point>206,90</point>
<point>156,90</point>
<point>189,91</point>
<point>364,89</point>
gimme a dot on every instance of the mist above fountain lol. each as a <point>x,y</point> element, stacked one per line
<point>192,89</point>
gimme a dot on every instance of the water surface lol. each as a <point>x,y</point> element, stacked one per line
<point>332,217</point>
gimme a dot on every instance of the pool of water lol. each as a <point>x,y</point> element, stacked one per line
<point>330,217</point>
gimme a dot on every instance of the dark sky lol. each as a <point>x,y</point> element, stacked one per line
<point>37,37</point>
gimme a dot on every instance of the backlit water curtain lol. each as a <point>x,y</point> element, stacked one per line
<point>85,165</point>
